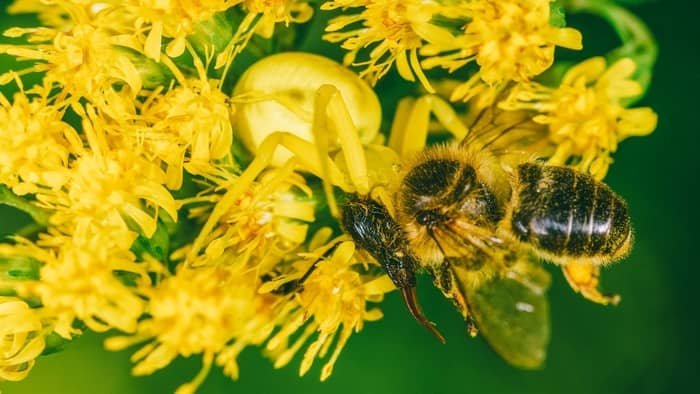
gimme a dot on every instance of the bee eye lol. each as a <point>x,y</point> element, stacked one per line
<point>431,177</point>
<point>430,218</point>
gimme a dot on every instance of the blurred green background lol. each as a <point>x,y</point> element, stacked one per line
<point>648,344</point>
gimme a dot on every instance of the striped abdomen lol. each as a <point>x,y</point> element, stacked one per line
<point>566,213</point>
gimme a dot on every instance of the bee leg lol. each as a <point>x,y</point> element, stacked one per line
<point>401,272</point>
<point>373,230</point>
<point>296,285</point>
<point>409,298</point>
<point>411,124</point>
<point>584,279</point>
<point>444,279</point>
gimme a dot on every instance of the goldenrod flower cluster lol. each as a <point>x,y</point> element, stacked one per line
<point>120,140</point>
<point>510,40</point>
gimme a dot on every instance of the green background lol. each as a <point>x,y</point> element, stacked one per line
<point>648,344</point>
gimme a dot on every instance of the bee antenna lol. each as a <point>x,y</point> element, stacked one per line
<point>411,301</point>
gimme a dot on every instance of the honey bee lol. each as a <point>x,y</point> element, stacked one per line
<point>475,215</point>
<point>476,224</point>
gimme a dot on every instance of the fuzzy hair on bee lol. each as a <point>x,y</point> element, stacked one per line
<point>442,181</point>
<point>567,216</point>
<point>476,222</point>
<point>461,205</point>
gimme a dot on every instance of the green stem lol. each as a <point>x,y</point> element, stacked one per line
<point>637,41</point>
<point>39,215</point>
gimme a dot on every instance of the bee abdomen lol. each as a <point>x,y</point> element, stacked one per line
<point>567,213</point>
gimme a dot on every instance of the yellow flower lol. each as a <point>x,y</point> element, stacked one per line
<point>83,276</point>
<point>267,222</point>
<point>333,300</point>
<point>190,123</point>
<point>108,186</point>
<point>261,18</point>
<point>272,12</point>
<point>212,311</point>
<point>49,14</point>
<point>83,61</point>
<point>21,338</point>
<point>105,189</point>
<point>394,29</point>
<point>35,144</point>
<point>59,14</point>
<point>100,152</point>
<point>586,114</point>
<point>147,25</point>
<point>154,22</point>
<point>508,39</point>
<point>219,310</point>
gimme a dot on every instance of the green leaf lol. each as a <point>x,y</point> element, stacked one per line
<point>638,44</point>
<point>557,15</point>
<point>54,343</point>
<point>153,74</point>
<point>15,269</point>
<point>214,34</point>
<point>635,2</point>
<point>19,268</point>
<point>39,215</point>
<point>157,246</point>
<point>637,41</point>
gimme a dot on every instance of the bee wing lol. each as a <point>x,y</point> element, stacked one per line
<point>507,299</point>
<point>512,313</point>
<point>505,132</point>
<point>466,245</point>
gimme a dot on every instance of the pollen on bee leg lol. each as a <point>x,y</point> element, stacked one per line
<point>584,279</point>
<point>463,306</point>
<point>445,279</point>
